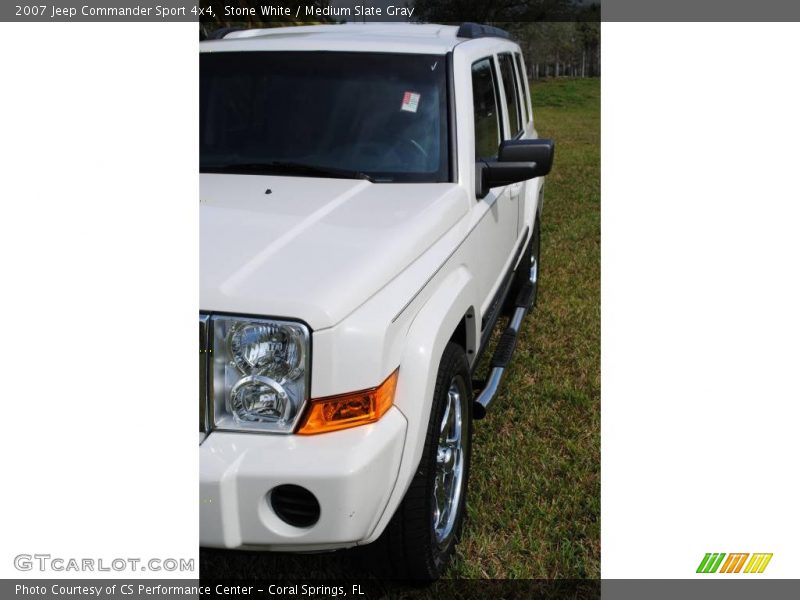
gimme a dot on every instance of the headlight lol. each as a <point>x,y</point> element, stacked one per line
<point>260,378</point>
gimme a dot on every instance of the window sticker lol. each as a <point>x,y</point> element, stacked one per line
<point>410,102</point>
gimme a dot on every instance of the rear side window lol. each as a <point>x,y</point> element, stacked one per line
<point>484,99</point>
<point>512,99</point>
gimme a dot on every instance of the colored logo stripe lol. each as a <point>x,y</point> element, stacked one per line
<point>734,563</point>
<point>758,563</point>
<point>710,562</point>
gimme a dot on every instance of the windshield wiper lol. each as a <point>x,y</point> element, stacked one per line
<point>277,167</point>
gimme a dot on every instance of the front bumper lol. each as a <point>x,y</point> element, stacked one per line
<point>352,474</point>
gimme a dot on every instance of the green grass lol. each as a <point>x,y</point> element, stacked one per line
<point>573,94</point>
<point>534,498</point>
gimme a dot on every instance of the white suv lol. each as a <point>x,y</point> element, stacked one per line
<point>370,199</point>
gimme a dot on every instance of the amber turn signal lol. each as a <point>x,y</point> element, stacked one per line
<point>349,410</point>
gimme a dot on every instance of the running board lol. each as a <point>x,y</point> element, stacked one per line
<point>504,352</point>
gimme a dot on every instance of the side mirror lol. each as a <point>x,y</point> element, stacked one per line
<point>538,151</point>
<point>517,160</point>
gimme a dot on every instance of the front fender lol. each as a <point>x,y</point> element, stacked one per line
<point>428,334</point>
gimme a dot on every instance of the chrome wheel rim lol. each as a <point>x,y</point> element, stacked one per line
<point>449,464</point>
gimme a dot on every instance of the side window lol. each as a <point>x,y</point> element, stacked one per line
<point>512,101</point>
<point>484,99</point>
<point>522,85</point>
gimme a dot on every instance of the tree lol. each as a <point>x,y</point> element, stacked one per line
<point>557,37</point>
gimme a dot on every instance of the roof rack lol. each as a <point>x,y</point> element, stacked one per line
<point>476,30</point>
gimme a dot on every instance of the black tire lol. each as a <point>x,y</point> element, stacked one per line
<point>528,261</point>
<point>410,547</point>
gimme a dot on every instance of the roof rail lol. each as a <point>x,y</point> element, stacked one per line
<point>476,30</point>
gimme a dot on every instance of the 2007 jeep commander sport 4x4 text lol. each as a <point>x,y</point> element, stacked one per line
<point>370,198</point>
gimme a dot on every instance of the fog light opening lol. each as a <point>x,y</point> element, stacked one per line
<point>294,505</point>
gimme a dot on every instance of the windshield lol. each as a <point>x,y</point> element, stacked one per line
<point>324,114</point>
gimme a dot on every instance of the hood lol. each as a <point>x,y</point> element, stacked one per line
<point>310,248</point>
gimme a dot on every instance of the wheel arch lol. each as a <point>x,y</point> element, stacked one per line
<point>448,313</point>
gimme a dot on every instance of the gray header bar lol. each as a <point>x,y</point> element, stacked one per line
<point>101,11</point>
<point>700,10</point>
<point>255,11</point>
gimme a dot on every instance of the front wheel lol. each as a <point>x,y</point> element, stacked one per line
<point>422,536</point>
